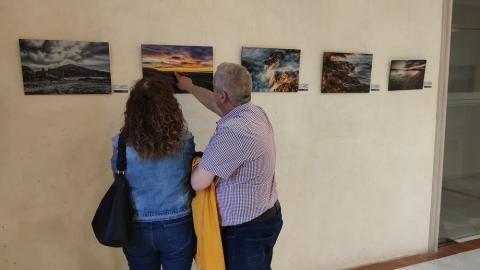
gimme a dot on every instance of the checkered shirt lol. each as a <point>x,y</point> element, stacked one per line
<point>241,153</point>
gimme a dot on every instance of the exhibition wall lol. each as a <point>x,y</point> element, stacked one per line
<point>354,171</point>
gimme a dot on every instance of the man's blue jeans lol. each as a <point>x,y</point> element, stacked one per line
<point>250,246</point>
<point>170,244</point>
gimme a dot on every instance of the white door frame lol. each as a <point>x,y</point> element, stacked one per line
<point>440,126</point>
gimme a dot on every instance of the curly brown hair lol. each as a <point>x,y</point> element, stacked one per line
<point>153,119</point>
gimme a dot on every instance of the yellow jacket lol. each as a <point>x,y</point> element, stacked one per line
<point>207,228</point>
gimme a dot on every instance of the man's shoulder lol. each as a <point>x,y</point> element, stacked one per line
<point>244,120</point>
<point>258,112</point>
<point>253,112</point>
<point>233,125</point>
<point>254,108</point>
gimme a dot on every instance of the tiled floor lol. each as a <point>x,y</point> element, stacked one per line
<point>463,261</point>
<point>461,256</point>
<point>460,215</point>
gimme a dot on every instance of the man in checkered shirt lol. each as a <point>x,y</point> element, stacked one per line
<point>241,153</point>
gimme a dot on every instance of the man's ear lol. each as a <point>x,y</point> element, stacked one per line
<point>223,96</point>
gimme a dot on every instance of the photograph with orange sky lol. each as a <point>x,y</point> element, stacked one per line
<point>195,62</point>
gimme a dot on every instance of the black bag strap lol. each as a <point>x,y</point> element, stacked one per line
<point>122,154</point>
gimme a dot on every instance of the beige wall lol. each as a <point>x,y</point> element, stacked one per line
<point>354,171</point>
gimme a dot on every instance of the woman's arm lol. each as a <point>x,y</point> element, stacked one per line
<point>205,96</point>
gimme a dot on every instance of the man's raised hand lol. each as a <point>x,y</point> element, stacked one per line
<point>183,82</point>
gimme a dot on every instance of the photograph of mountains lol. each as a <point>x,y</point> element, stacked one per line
<point>406,74</point>
<point>273,70</point>
<point>195,62</point>
<point>65,67</point>
<point>346,72</point>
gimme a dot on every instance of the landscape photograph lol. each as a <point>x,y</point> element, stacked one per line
<point>406,75</point>
<point>346,72</point>
<point>65,67</point>
<point>272,69</point>
<point>195,62</point>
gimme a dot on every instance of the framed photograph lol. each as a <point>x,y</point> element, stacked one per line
<point>346,72</point>
<point>272,70</point>
<point>65,67</point>
<point>406,75</point>
<point>195,62</point>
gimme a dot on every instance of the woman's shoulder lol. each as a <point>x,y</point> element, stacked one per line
<point>115,139</point>
<point>188,142</point>
<point>187,135</point>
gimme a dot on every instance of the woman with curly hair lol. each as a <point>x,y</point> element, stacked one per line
<point>159,155</point>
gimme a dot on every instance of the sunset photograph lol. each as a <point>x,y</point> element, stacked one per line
<point>195,62</point>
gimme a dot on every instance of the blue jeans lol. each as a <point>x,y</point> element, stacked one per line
<point>170,244</point>
<point>250,246</point>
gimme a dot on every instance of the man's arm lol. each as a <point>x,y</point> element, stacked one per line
<point>224,154</point>
<point>201,179</point>
<point>203,95</point>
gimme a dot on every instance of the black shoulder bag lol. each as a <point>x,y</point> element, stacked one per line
<point>113,221</point>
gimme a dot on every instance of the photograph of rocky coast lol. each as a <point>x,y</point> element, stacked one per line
<point>346,72</point>
<point>272,69</point>
<point>65,67</point>
<point>406,74</point>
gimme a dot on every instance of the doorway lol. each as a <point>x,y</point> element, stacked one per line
<point>460,199</point>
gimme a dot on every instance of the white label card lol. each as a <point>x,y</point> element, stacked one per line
<point>120,88</point>
<point>303,87</point>
<point>374,87</point>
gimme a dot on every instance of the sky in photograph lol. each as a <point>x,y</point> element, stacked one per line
<point>178,58</point>
<point>408,64</point>
<point>50,54</point>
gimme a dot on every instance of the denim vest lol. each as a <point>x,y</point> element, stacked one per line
<point>160,188</point>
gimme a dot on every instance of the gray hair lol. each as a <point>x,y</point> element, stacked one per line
<point>235,80</point>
